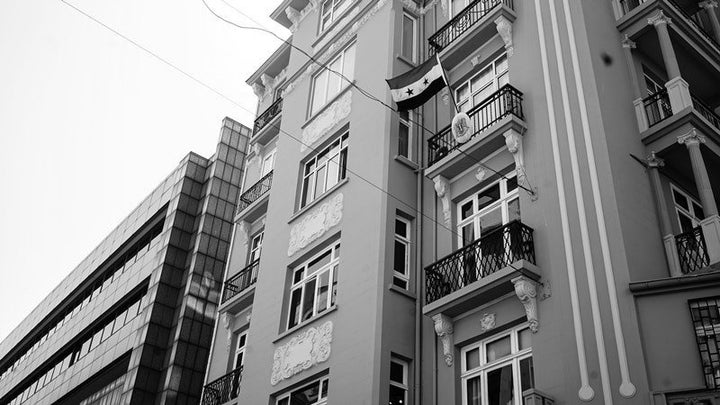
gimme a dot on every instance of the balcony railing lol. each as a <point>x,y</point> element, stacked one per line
<point>706,111</point>
<point>223,389</point>
<point>504,102</point>
<point>692,251</point>
<point>465,19</point>
<point>657,107</point>
<point>263,119</point>
<point>241,281</point>
<point>493,251</point>
<point>255,192</point>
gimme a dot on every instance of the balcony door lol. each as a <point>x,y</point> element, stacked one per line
<point>483,84</point>
<point>481,216</point>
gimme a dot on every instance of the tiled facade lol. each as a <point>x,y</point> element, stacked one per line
<point>166,258</point>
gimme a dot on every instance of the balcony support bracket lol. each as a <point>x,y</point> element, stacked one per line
<point>442,189</point>
<point>504,28</point>
<point>227,320</point>
<point>514,144</point>
<point>526,291</point>
<point>444,330</point>
<point>711,231</point>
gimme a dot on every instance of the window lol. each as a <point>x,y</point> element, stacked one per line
<point>331,10</point>
<point>401,259</point>
<point>491,208</point>
<point>315,393</point>
<point>239,359</point>
<point>324,170</point>
<point>688,210</point>
<point>405,135</point>
<point>498,369</point>
<point>255,247</point>
<point>268,163</point>
<point>483,84</point>
<point>706,322</point>
<point>398,382</point>
<point>314,286</point>
<point>408,46</point>
<point>327,84</point>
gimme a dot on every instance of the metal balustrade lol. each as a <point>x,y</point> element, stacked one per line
<point>706,111</point>
<point>271,112</point>
<point>241,281</point>
<point>504,102</point>
<point>493,251</point>
<point>657,107</point>
<point>223,389</point>
<point>465,19</point>
<point>255,192</point>
<point>692,251</point>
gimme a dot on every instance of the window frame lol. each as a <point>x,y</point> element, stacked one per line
<point>466,104</point>
<point>405,384</point>
<point>240,349</point>
<point>332,268</point>
<point>264,167</point>
<point>406,122</point>
<point>687,212</point>
<point>315,106</point>
<point>503,202</point>
<point>412,58</point>
<point>255,246</point>
<point>285,398</point>
<point>337,8</point>
<point>310,176</point>
<point>407,242</point>
<point>702,325</point>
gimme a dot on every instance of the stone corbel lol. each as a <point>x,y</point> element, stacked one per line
<point>445,95</point>
<point>480,174</point>
<point>514,144</point>
<point>243,232</point>
<point>526,291</point>
<point>442,190</point>
<point>259,90</point>
<point>445,6</point>
<point>257,154</point>
<point>504,28</point>
<point>444,330</point>
<point>293,15</point>
<point>227,321</point>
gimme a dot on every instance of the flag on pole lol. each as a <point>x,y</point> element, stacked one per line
<point>416,86</point>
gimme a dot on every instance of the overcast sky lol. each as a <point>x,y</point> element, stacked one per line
<point>89,124</point>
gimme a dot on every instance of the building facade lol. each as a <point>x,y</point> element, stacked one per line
<point>563,250</point>
<point>132,324</point>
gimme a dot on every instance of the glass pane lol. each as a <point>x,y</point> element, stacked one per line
<point>408,34</point>
<point>686,224</point>
<point>298,275</point>
<point>468,233</point>
<point>500,386</point>
<point>498,349</point>
<point>404,141</point>
<point>480,96</point>
<point>462,93</point>
<point>473,391</point>
<point>501,65</point>
<point>472,359</point>
<point>349,63</point>
<point>239,359</point>
<point>307,395</point>
<point>294,316</point>
<point>308,300</point>
<point>335,82</point>
<point>698,211</point>
<point>324,390</point>
<point>334,286</point>
<point>488,196</point>
<point>323,291</point>
<point>524,339</point>
<point>397,372</point>
<point>401,228</point>
<point>319,89</point>
<point>319,262</point>
<point>320,182</point>
<point>397,395</point>
<point>400,283</point>
<point>466,210</point>
<point>482,79</point>
<point>490,221</point>
<point>680,199</point>
<point>241,341</point>
<point>333,171</point>
<point>514,209</point>
<point>503,79</point>
<point>512,183</point>
<point>400,256</point>
<point>527,374</point>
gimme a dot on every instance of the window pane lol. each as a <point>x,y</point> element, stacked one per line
<point>404,141</point>
<point>468,233</point>
<point>323,291</point>
<point>349,63</point>
<point>466,210</point>
<point>473,391</point>
<point>334,286</point>
<point>685,222</point>
<point>320,182</point>
<point>482,79</point>
<point>319,262</point>
<point>294,315</point>
<point>397,372</point>
<point>400,283</point>
<point>472,359</point>
<point>698,211</point>
<point>306,396</point>
<point>400,257</point>
<point>514,209</point>
<point>408,37</point>
<point>401,228</point>
<point>319,89</point>
<point>498,349</point>
<point>488,196</point>
<point>500,386</point>
<point>397,395</point>
<point>343,163</point>
<point>490,221</point>
<point>462,93</point>
<point>308,300</point>
<point>324,391</point>
<point>527,374</point>
<point>335,81</point>
<point>501,65</point>
<point>680,199</point>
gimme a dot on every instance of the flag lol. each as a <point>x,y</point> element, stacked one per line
<point>414,87</point>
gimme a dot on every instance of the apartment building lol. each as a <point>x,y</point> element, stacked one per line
<point>563,251</point>
<point>132,323</point>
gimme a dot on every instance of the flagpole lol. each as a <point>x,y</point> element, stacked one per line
<point>447,82</point>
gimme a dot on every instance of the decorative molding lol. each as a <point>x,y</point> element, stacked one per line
<point>654,161</point>
<point>444,330</point>
<point>461,127</point>
<point>526,291</point>
<point>546,290</point>
<point>445,6</point>
<point>514,144</point>
<point>692,138</point>
<point>504,28</point>
<point>628,43</point>
<point>445,95</point>
<point>480,174</point>
<point>243,232</point>
<point>315,223</point>
<point>487,322</point>
<point>303,351</point>
<point>708,5</point>
<point>257,155</point>
<point>227,321</point>
<point>413,7</point>
<point>442,190</point>
<point>294,16</point>
<point>659,18</point>
<point>259,90</point>
<point>326,121</point>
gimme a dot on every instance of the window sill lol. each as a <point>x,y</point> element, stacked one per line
<point>327,105</point>
<point>304,324</point>
<point>317,200</point>
<point>402,291</point>
<point>407,61</point>
<point>407,162</point>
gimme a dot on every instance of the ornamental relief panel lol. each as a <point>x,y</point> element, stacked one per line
<point>315,223</point>
<point>326,121</point>
<point>303,351</point>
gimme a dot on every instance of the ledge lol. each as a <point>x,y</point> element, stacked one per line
<point>401,291</point>
<point>407,162</point>
<point>317,200</point>
<point>674,284</point>
<point>302,325</point>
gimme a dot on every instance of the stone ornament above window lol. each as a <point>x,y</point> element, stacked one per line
<point>302,352</point>
<point>315,223</point>
<point>326,121</point>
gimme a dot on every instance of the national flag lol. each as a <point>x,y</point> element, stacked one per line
<point>416,86</point>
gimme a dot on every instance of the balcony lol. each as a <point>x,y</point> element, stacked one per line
<point>240,282</point>
<point>480,271</point>
<point>262,130</point>
<point>223,389</point>
<point>657,107</point>
<point>692,251</point>
<point>254,199</point>
<point>463,21</point>
<point>489,120</point>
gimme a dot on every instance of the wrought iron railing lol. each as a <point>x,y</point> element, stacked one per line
<point>271,112</point>
<point>692,251</point>
<point>706,111</point>
<point>657,107</point>
<point>465,19</point>
<point>255,192</point>
<point>493,251</point>
<point>241,281</point>
<point>504,102</point>
<point>223,389</point>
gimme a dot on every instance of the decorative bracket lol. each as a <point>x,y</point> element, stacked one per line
<point>293,15</point>
<point>444,330</point>
<point>526,291</point>
<point>487,322</point>
<point>442,190</point>
<point>259,90</point>
<point>227,321</point>
<point>514,144</point>
<point>628,43</point>
<point>243,232</point>
<point>480,174</point>
<point>692,138</point>
<point>504,28</point>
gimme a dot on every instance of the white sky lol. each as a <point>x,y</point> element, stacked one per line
<point>89,124</point>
